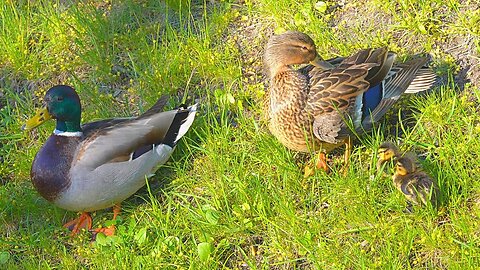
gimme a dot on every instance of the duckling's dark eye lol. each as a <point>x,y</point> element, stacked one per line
<point>305,48</point>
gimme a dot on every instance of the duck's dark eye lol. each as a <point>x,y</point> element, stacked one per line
<point>59,98</point>
<point>305,48</point>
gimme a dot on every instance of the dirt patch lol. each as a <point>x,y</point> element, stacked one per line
<point>361,21</point>
<point>457,45</point>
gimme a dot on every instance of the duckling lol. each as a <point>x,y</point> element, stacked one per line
<point>387,151</point>
<point>417,186</point>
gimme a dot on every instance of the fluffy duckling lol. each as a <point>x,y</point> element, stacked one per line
<point>417,186</point>
<point>387,152</point>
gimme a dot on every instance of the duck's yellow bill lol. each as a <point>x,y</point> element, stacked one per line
<point>320,63</point>
<point>39,118</point>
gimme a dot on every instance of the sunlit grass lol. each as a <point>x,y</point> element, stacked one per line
<point>232,196</point>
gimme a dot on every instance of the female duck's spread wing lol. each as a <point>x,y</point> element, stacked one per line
<point>334,89</point>
<point>387,82</point>
<point>338,94</point>
<point>350,77</point>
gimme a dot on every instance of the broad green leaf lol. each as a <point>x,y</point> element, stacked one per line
<point>204,250</point>
<point>141,236</point>
<point>4,257</point>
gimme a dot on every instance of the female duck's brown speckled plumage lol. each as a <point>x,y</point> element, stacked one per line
<point>309,108</point>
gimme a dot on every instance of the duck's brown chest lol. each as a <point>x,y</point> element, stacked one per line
<point>288,121</point>
<point>51,166</point>
<point>291,131</point>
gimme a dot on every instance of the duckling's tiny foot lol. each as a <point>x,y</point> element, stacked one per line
<point>83,221</point>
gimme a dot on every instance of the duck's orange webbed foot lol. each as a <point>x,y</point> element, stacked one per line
<point>83,221</point>
<point>320,164</point>
<point>110,230</point>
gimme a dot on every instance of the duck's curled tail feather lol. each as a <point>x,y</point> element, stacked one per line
<point>181,123</point>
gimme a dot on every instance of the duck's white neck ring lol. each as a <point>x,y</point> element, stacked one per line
<point>67,133</point>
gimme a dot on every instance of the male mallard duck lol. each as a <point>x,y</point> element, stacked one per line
<point>100,164</point>
<point>309,108</point>
<point>417,186</point>
<point>387,151</point>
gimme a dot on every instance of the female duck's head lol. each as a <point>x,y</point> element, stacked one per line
<point>289,48</point>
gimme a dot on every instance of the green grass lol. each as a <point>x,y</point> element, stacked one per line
<point>232,196</point>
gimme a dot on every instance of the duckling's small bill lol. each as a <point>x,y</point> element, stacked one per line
<point>39,118</point>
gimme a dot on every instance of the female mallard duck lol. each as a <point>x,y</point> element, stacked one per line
<point>417,186</point>
<point>100,164</point>
<point>310,108</point>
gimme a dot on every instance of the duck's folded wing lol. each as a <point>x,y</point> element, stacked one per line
<point>118,141</point>
<point>399,79</point>
<point>336,89</point>
<point>330,127</point>
<point>99,127</point>
<point>332,99</point>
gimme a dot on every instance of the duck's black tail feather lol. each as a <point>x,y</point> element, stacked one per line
<point>157,107</point>
<point>180,125</point>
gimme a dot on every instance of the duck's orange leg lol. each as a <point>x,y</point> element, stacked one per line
<point>320,164</point>
<point>83,221</point>
<point>110,230</point>
<point>348,150</point>
<point>348,153</point>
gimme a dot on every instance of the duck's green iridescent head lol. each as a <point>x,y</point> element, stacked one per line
<point>61,103</point>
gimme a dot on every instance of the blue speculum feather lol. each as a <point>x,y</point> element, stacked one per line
<point>371,99</point>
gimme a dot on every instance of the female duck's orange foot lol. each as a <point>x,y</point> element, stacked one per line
<point>321,164</point>
<point>83,221</point>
